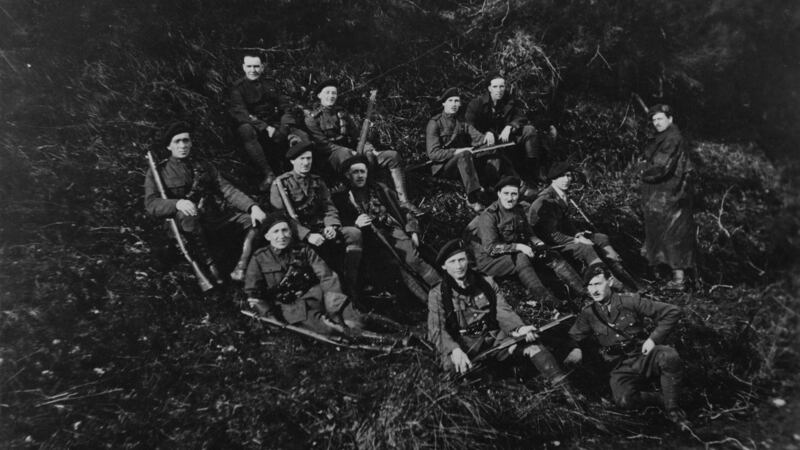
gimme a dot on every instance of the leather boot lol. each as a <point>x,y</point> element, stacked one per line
<point>529,279</point>
<point>350,271</point>
<point>627,279</point>
<point>399,179</point>
<point>247,250</point>
<point>199,249</point>
<point>567,274</point>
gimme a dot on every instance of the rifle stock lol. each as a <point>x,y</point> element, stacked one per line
<point>287,203</point>
<point>362,139</point>
<point>203,281</point>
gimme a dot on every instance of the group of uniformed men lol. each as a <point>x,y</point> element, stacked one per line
<point>307,273</point>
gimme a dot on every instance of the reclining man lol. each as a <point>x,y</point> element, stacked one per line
<point>289,281</point>
<point>263,118</point>
<point>505,244</point>
<point>549,215</point>
<point>374,208</point>
<point>336,136</point>
<point>468,314</point>
<point>616,321</point>
<point>195,192</point>
<point>449,141</point>
<point>310,201</point>
<point>500,117</point>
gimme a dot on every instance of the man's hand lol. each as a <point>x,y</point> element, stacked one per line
<point>270,130</point>
<point>524,249</point>
<point>257,215</point>
<point>415,240</point>
<point>329,232</point>
<point>363,220</point>
<point>462,150</point>
<point>647,346</point>
<point>315,239</point>
<point>574,357</point>
<point>489,138</point>
<point>581,239</point>
<point>259,125</point>
<point>460,360</point>
<point>186,207</point>
<point>505,135</point>
<point>553,132</point>
<point>529,331</point>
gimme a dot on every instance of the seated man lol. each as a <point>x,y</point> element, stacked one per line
<point>467,314</point>
<point>616,321</point>
<point>310,204</point>
<point>335,136</point>
<point>262,115</point>
<point>374,208</point>
<point>449,141</point>
<point>549,215</point>
<point>505,244</point>
<point>290,281</point>
<point>195,191</point>
<point>501,118</point>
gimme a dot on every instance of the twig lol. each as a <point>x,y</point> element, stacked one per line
<point>726,286</point>
<point>725,441</point>
<point>627,108</point>
<point>721,211</point>
<point>65,397</point>
<point>596,54</point>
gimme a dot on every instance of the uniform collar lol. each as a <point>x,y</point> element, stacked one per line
<point>559,193</point>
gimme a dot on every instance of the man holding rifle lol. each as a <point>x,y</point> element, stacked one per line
<point>387,228</point>
<point>336,138</point>
<point>450,141</point>
<point>468,314</point>
<point>306,198</point>
<point>193,196</point>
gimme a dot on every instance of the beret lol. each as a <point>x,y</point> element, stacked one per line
<point>507,180</point>
<point>558,169</point>
<point>326,83</point>
<point>595,270</point>
<point>449,92</point>
<point>297,149</point>
<point>271,220</point>
<point>449,249</point>
<point>355,159</point>
<point>173,129</point>
<point>660,108</point>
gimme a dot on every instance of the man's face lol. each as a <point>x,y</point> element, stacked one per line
<point>357,174</point>
<point>302,164</point>
<point>508,196</point>
<point>253,68</point>
<point>497,88</point>
<point>279,235</point>
<point>661,121</point>
<point>180,146</point>
<point>563,182</point>
<point>457,265</point>
<point>327,96</point>
<point>599,288</point>
<point>452,105</point>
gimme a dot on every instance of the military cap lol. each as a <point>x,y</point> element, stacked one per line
<point>271,220</point>
<point>449,92</point>
<point>297,149</point>
<point>355,159</point>
<point>173,129</point>
<point>507,180</point>
<point>595,270</point>
<point>326,83</point>
<point>449,249</point>
<point>660,108</point>
<point>558,169</point>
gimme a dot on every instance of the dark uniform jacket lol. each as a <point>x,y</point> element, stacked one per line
<point>380,203</point>
<point>468,310</point>
<point>268,266</point>
<point>444,134</point>
<point>485,116</point>
<point>496,230</point>
<point>262,100</point>
<point>626,313</point>
<point>331,128</point>
<point>549,215</point>
<point>198,181</point>
<point>310,199</point>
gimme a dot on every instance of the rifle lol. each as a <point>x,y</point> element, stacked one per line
<point>583,214</point>
<point>484,355</point>
<point>202,280</point>
<point>285,199</point>
<point>475,152</point>
<point>362,139</point>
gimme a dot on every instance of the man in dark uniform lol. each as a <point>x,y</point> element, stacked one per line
<point>501,118</point>
<point>195,192</point>
<point>374,208</point>
<point>262,117</point>
<point>288,280</point>
<point>505,244</point>
<point>449,141</point>
<point>616,321</point>
<point>319,224</point>
<point>336,136</point>
<point>549,215</point>
<point>468,314</point>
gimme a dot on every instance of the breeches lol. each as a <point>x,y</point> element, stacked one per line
<point>627,378</point>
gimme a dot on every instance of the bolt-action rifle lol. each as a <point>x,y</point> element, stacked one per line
<point>476,151</point>
<point>362,139</point>
<point>202,280</point>
<point>287,203</point>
